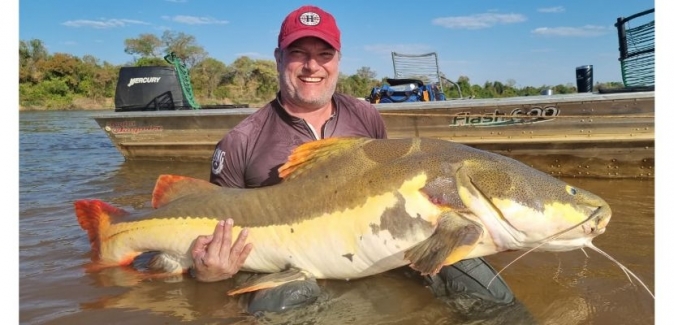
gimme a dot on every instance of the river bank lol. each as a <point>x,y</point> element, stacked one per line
<point>77,104</point>
<point>87,104</point>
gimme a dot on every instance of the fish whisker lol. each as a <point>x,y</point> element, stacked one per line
<point>543,242</point>
<point>627,271</point>
<point>591,246</point>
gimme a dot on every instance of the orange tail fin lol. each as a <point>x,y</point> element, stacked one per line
<point>94,217</point>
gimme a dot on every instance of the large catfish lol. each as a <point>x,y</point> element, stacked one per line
<point>353,207</point>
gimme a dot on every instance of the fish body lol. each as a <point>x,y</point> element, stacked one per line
<point>353,207</point>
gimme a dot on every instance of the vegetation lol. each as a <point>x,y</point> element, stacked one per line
<point>64,81</point>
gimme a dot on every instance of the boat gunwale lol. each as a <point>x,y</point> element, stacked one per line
<point>392,107</point>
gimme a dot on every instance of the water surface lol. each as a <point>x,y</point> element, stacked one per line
<point>65,157</point>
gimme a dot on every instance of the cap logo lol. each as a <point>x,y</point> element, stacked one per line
<point>310,18</point>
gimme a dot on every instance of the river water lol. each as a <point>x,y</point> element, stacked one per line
<point>64,156</point>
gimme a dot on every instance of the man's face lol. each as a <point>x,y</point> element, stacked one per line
<point>308,71</point>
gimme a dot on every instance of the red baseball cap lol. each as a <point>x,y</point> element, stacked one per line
<point>309,21</point>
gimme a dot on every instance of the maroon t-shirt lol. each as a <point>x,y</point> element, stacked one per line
<point>251,153</point>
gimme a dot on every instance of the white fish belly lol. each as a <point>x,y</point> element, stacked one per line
<point>351,243</point>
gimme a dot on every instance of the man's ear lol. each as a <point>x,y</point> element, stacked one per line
<point>278,53</point>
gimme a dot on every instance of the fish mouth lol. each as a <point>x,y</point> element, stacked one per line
<point>597,221</point>
<point>579,235</point>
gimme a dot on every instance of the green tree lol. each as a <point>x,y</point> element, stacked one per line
<point>149,49</point>
<point>98,80</point>
<point>146,45</point>
<point>238,76</point>
<point>366,73</point>
<point>62,66</point>
<point>452,91</point>
<point>151,62</point>
<point>207,76</point>
<point>59,80</point>
<point>345,85</point>
<point>31,53</point>
<point>359,84</point>
<point>266,78</point>
<point>184,46</point>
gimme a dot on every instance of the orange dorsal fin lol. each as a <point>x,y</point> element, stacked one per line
<point>94,216</point>
<point>172,187</point>
<point>313,153</point>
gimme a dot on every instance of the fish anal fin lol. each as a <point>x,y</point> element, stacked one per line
<point>166,264</point>
<point>270,280</point>
<point>95,216</point>
<point>453,239</point>
<point>171,187</point>
<point>310,153</point>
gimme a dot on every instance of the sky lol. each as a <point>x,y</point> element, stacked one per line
<point>533,43</point>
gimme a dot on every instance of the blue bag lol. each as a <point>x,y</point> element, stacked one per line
<point>405,90</point>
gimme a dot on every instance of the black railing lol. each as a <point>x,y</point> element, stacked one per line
<point>637,49</point>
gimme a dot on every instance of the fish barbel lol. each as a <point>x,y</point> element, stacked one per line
<point>352,207</point>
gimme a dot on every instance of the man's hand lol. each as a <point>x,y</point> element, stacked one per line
<point>214,256</point>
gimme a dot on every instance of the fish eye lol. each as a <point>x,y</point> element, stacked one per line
<point>571,190</point>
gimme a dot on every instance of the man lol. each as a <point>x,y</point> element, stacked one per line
<point>306,108</point>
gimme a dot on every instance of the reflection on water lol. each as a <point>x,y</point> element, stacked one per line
<point>133,181</point>
<point>65,157</point>
<point>395,297</point>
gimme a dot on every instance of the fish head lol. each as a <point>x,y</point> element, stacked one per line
<point>524,208</point>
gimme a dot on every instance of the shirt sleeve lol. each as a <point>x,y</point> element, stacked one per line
<point>377,127</point>
<point>228,165</point>
<point>380,127</point>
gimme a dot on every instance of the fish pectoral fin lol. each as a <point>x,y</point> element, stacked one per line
<point>453,239</point>
<point>270,280</point>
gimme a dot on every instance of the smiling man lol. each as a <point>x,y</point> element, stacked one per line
<point>306,108</point>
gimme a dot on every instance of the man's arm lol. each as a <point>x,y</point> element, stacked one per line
<point>375,123</point>
<point>228,164</point>
<point>213,256</point>
<point>379,126</point>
